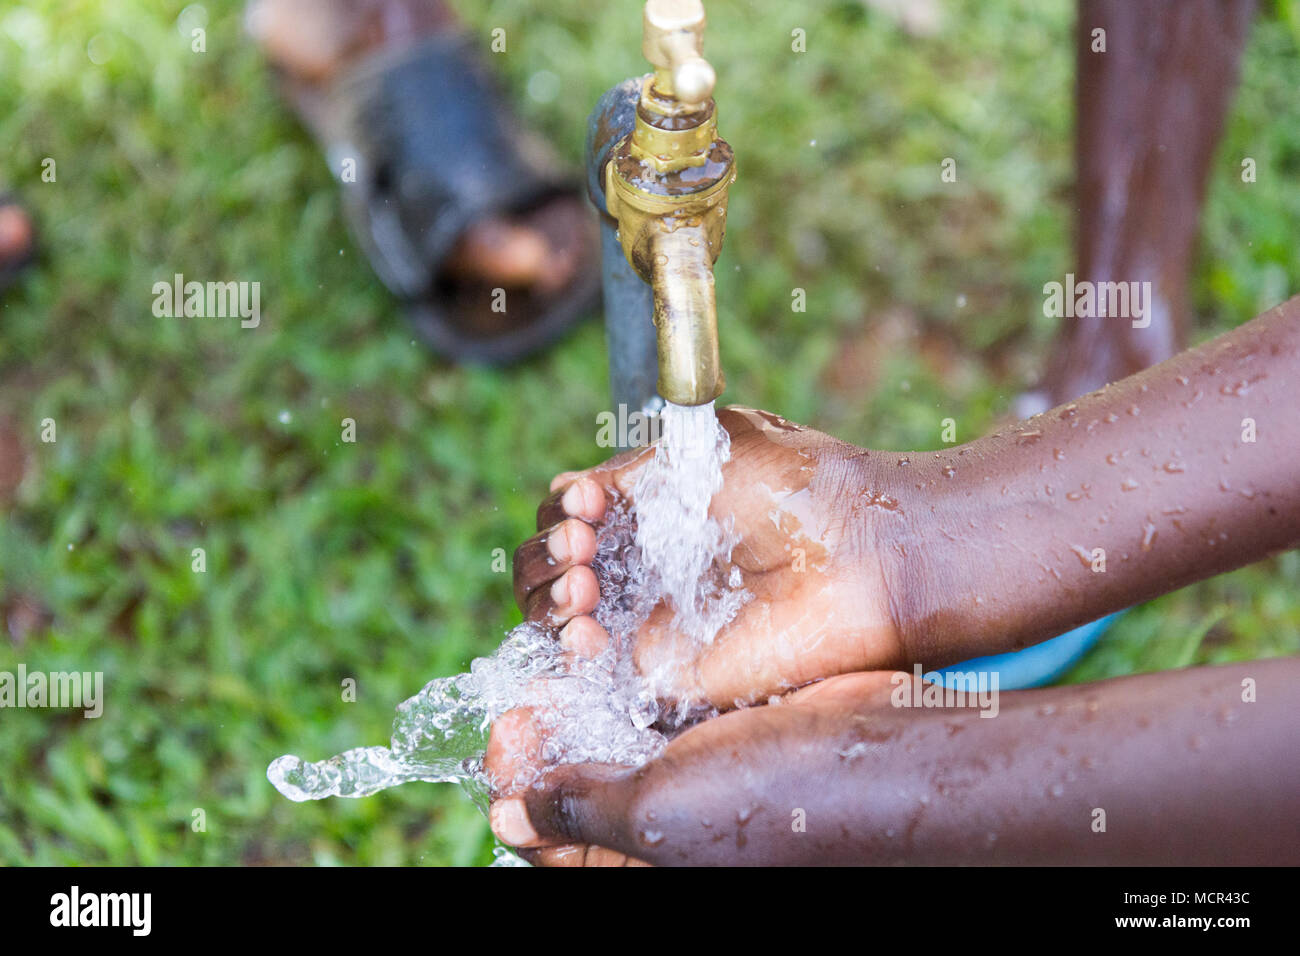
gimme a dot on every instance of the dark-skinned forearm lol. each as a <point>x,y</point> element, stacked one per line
<point>1130,492</point>
<point>1169,768</point>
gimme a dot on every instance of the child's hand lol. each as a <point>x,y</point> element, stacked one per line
<point>860,560</point>
<point>720,785</point>
<point>1175,768</point>
<point>808,542</point>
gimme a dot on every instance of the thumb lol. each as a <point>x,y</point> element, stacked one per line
<point>576,804</point>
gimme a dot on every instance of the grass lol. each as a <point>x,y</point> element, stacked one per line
<point>374,560</point>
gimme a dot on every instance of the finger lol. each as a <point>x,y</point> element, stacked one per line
<point>575,592</point>
<point>572,854</point>
<point>567,854</point>
<point>867,687</point>
<point>547,555</point>
<point>583,498</point>
<point>513,755</point>
<point>584,804</point>
<point>563,479</point>
<point>621,472</point>
<point>584,637</point>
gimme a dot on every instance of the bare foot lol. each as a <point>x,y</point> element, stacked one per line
<point>16,235</point>
<point>313,41</point>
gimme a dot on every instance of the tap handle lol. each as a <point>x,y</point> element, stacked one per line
<point>673,41</point>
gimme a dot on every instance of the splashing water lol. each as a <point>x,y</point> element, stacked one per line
<point>598,710</point>
<point>680,544</point>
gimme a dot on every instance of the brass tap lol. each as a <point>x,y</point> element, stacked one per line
<point>666,185</point>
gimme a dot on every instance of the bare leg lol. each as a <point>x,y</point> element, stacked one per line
<point>1149,112</point>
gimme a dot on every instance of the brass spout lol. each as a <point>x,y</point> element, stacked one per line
<point>666,185</point>
<point>686,316</point>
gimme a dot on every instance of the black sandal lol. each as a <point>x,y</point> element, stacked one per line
<point>436,149</point>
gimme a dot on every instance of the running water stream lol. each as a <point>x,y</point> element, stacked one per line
<point>661,546</point>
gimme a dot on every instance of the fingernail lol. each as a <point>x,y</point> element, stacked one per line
<point>573,499</point>
<point>568,636</point>
<point>557,543</point>
<point>560,591</point>
<point>582,636</point>
<point>509,820</point>
<point>563,478</point>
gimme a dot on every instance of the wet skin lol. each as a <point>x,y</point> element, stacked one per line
<point>938,557</point>
<point>1149,113</point>
<point>316,41</point>
<point>819,604</point>
<point>1184,770</point>
<point>935,557</point>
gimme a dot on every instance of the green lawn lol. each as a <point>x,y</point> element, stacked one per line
<point>373,560</point>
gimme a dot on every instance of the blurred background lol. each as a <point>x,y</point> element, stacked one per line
<point>375,560</point>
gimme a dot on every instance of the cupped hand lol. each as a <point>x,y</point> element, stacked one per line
<point>806,515</point>
<point>734,789</point>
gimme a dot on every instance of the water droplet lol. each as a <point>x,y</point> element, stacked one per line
<point>1148,536</point>
<point>878,499</point>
